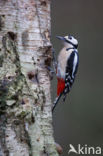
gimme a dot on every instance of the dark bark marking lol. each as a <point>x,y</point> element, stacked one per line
<point>3,120</point>
<point>12,35</point>
<point>1,60</point>
<point>4,87</point>
<point>25,39</point>
<point>47,35</point>
<point>43,2</point>
<point>1,22</point>
<point>49,57</point>
<point>4,41</point>
<point>33,77</point>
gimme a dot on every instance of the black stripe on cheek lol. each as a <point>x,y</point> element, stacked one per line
<point>75,46</point>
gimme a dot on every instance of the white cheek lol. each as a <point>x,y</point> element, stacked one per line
<point>74,41</point>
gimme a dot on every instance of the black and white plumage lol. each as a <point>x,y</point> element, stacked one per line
<point>67,66</point>
<point>71,70</point>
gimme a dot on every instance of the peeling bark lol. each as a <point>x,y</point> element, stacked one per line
<point>25,100</point>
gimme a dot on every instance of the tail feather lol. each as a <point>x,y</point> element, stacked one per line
<point>56,101</point>
<point>60,90</point>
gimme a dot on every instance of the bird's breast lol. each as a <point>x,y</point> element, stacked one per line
<point>62,62</point>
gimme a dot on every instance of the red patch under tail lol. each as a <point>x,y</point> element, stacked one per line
<point>60,86</point>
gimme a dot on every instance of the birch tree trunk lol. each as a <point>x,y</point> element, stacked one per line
<point>25,101</point>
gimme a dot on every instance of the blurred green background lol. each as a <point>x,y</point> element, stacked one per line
<point>80,119</point>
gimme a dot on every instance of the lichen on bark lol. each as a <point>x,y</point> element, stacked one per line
<point>25,101</point>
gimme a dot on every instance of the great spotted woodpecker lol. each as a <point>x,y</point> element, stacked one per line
<point>66,67</point>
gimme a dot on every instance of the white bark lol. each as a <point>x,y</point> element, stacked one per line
<point>25,103</point>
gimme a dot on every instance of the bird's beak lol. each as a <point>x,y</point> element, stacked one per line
<point>60,38</point>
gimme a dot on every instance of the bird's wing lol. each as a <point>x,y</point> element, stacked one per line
<point>71,70</point>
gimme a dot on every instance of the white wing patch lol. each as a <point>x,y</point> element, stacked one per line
<point>74,64</point>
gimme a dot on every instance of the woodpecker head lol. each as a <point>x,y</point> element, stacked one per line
<point>69,41</point>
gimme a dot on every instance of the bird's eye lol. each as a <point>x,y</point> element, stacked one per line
<point>70,37</point>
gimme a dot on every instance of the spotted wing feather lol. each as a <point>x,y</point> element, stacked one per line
<point>71,70</point>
